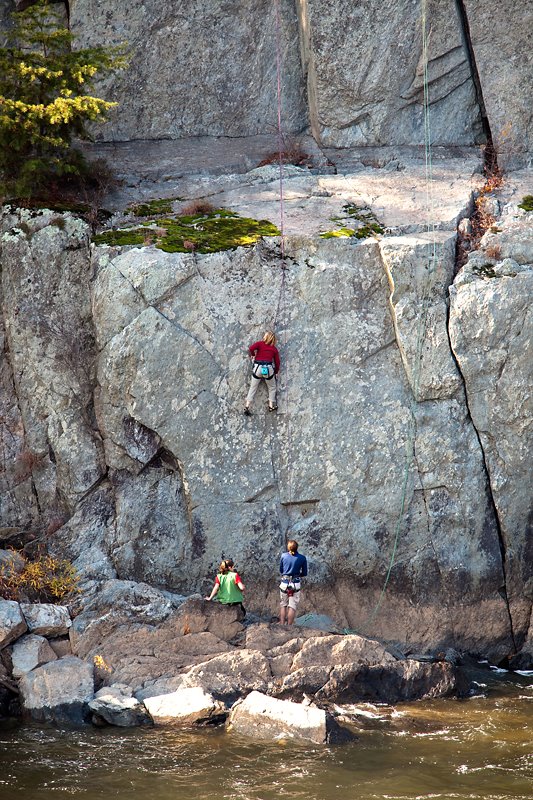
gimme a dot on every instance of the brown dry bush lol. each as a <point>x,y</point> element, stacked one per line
<point>292,153</point>
<point>481,220</point>
<point>493,251</point>
<point>196,207</point>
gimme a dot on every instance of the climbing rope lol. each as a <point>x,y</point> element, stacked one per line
<point>422,320</point>
<point>280,130</point>
<point>281,305</point>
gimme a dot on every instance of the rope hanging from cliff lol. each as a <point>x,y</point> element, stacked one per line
<point>280,160</point>
<point>422,316</point>
<point>281,304</point>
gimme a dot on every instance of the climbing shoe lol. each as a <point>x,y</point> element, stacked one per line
<point>247,412</point>
<point>272,408</point>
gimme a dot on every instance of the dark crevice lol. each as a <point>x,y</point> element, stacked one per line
<point>162,459</point>
<point>490,157</point>
<point>98,482</point>
<point>490,495</point>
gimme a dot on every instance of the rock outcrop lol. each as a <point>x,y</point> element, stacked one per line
<point>371,93</point>
<point>264,666</point>
<point>167,476</point>
<point>491,329</point>
<point>58,691</point>
<point>263,717</point>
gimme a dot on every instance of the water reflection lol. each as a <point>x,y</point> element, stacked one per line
<point>479,749</point>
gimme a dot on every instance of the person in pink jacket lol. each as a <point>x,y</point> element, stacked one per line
<point>265,367</point>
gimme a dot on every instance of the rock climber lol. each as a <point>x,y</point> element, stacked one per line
<point>293,567</point>
<point>265,367</point>
<point>228,587</point>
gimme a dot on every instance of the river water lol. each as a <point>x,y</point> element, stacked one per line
<point>475,749</point>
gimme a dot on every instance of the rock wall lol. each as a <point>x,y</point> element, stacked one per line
<point>491,328</point>
<point>505,30</point>
<point>352,72</point>
<point>197,68</point>
<point>130,371</point>
<point>372,91</point>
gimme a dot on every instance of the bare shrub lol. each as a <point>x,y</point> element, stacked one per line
<point>291,153</point>
<point>481,219</point>
<point>196,207</point>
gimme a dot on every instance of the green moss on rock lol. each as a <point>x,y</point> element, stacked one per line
<point>153,207</point>
<point>121,238</point>
<point>527,203</point>
<point>200,233</point>
<point>364,220</point>
<point>339,233</point>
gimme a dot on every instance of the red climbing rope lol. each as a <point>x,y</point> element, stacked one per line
<point>280,131</point>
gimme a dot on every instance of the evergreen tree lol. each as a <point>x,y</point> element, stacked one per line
<point>45,100</point>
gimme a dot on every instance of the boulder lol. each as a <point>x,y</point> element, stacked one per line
<point>12,622</point>
<point>231,674</point>
<point>304,682</point>
<point>11,560</point>
<point>61,646</point>
<point>391,683</point>
<point>334,650</point>
<point>29,652</point>
<point>113,603</point>
<point>116,705</point>
<point>263,717</point>
<point>197,615</point>
<point>58,692</point>
<point>184,707</point>
<point>278,639</point>
<point>46,619</point>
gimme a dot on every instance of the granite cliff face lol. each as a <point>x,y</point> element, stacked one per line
<point>124,403</point>
<point>352,71</point>
<point>403,436</point>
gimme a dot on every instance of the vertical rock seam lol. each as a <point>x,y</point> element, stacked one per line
<point>490,157</point>
<point>501,540</point>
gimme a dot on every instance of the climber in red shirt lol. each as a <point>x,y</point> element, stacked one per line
<point>265,367</point>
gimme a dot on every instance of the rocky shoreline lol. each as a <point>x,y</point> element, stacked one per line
<point>156,658</point>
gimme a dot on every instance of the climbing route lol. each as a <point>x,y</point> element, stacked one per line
<point>425,286</point>
<point>282,306</point>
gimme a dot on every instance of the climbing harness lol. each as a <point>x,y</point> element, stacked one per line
<point>289,585</point>
<point>263,370</point>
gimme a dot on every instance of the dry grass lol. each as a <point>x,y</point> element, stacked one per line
<point>481,219</point>
<point>292,153</point>
<point>196,207</point>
